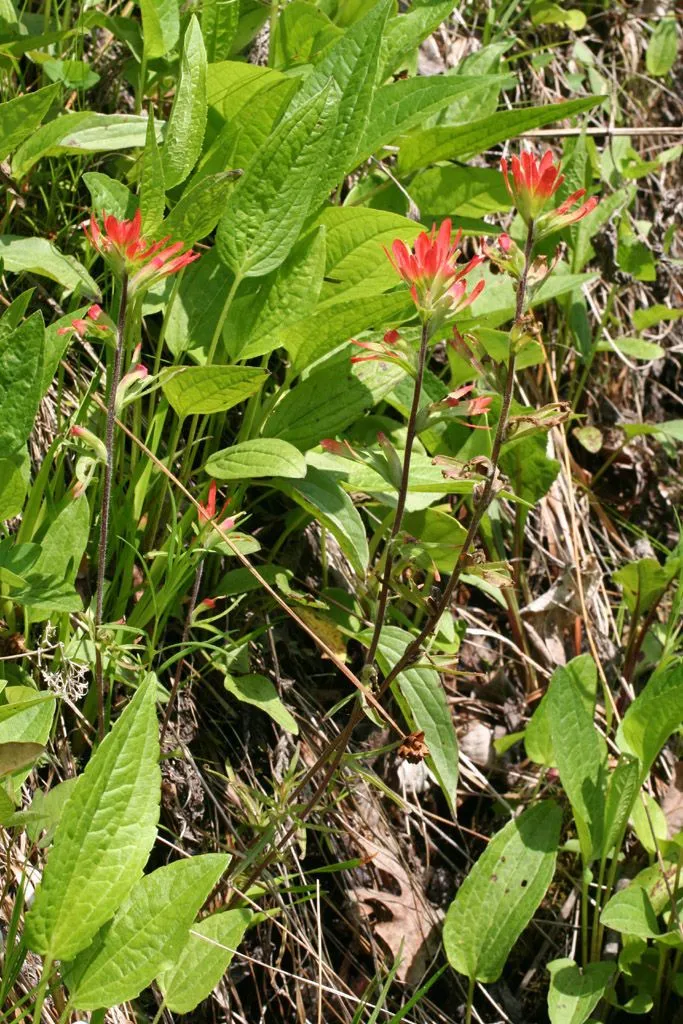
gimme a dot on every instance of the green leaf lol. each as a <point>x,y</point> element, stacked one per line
<point>187,123</point>
<point>630,911</point>
<point>147,934</point>
<point>655,713</point>
<point>82,132</point>
<point>581,756</point>
<point>643,582</point>
<point>670,429</point>
<point>498,898</point>
<point>21,378</point>
<point>653,315</point>
<point>208,389</point>
<point>332,324</point>
<point>583,679</point>
<point>421,697</point>
<point>152,181</point>
<point>661,52</point>
<point>439,538</point>
<point>622,791</point>
<point>74,74</point>
<point>63,545</point>
<point>455,191</point>
<point>545,12</point>
<point>204,959</point>
<point>449,143</point>
<point>269,205</point>
<point>574,993</point>
<point>328,401</point>
<point>257,458</point>
<point>199,300</point>
<point>405,32</point>
<point>38,256</point>
<point>104,837</point>
<point>301,34</point>
<point>352,65</point>
<point>402,105</point>
<point>20,117</point>
<point>286,295</point>
<point>160,26</point>
<point>220,19</point>
<point>258,690</point>
<point>14,477</point>
<point>15,756</point>
<point>196,214</point>
<point>356,238</point>
<point>529,469</point>
<point>321,495</point>
<point>107,195</point>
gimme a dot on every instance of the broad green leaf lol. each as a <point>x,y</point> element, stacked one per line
<point>187,123</point>
<point>74,74</point>
<point>152,181</point>
<point>14,477</point>
<point>21,378</point>
<point>501,893</point>
<point>402,105</point>
<point>146,935</point>
<point>15,756</point>
<point>583,677</point>
<point>421,697</point>
<point>269,205</point>
<point>302,32</point>
<point>198,303</point>
<point>160,26</point>
<point>332,324</point>
<point>649,823</point>
<point>581,755</point>
<point>220,19</point>
<point>63,545</point>
<point>245,102</point>
<point>104,837</point>
<point>545,12</point>
<point>45,812</point>
<point>257,458</point>
<point>204,959</point>
<point>643,582</point>
<point>107,195</point>
<point>20,117</point>
<point>653,315</point>
<point>574,993</point>
<point>434,536</point>
<point>47,594</point>
<point>404,33</point>
<point>286,295</point>
<point>529,469</point>
<point>82,132</point>
<point>321,495</point>
<point>630,911</point>
<point>459,191</point>
<point>622,791</point>
<point>26,716</point>
<point>38,256</point>
<point>661,52</point>
<point>200,208</point>
<point>356,239</point>
<point>449,143</point>
<point>208,389</point>
<point>671,429</point>
<point>328,401</point>
<point>352,65</point>
<point>258,690</point>
<point>655,713</point>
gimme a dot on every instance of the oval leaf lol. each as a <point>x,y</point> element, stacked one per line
<point>193,390</point>
<point>258,458</point>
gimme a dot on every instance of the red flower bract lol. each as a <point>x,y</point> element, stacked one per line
<point>430,269</point>
<point>532,183</point>
<point>124,247</point>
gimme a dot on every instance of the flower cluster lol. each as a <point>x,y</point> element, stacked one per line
<point>127,251</point>
<point>532,183</point>
<point>82,326</point>
<point>437,284</point>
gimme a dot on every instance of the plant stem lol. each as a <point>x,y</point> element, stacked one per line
<point>42,990</point>
<point>105,507</point>
<point>482,504</point>
<point>471,982</point>
<point>585,879</point>
<point>402,495</point>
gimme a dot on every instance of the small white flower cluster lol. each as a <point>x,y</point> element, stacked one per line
<point>69,681</point>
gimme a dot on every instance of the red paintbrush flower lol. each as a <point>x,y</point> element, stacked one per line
<point>532,183</point>
<point>80,326</point>
<point>126,250</point>
<point>430,270</point>
<point>208,512</point>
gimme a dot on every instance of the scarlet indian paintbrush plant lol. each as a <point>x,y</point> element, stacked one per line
<point>532,183</point>
<point>438,286</point>
<point>127,251</point>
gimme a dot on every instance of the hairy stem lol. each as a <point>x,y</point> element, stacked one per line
<point>105,508</point>
<point>402,495</point>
